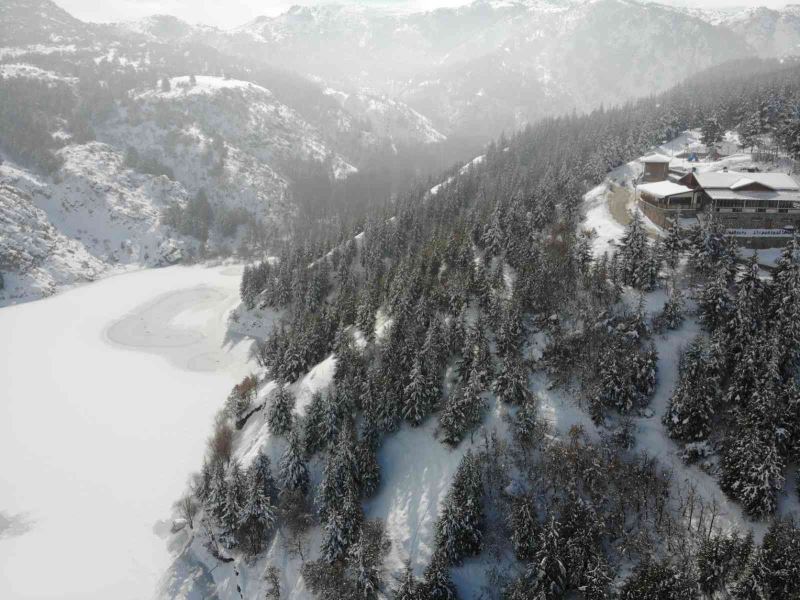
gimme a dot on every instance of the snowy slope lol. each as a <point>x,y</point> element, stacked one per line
<point>389,118</point>
<point>93,218</point>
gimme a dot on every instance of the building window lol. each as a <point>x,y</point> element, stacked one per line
<point>761,210</point>
<point>737,210</point>
<point>783,210</point>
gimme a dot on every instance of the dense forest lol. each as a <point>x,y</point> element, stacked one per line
<point>478,288</point>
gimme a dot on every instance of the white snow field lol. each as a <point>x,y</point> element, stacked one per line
<point>108,392</point>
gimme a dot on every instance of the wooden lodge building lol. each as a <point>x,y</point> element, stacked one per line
<point>761,208</point>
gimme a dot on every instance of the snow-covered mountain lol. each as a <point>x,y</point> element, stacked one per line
<point>769,32</point>
<point>106,128</point>
<point>488,66</point>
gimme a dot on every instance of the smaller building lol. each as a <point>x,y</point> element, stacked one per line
<point>656,167</point>
<point>663,201</point>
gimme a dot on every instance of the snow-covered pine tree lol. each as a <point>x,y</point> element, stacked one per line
<point>673,245</point>
<point>331,422</point>
<point>434,348</point>
<point>751,466</point>
<point>272,577</point>
<point>258,514</point>
<point>421,394</point>
<point>784,309</point>
<point>493,237</point>
<point>660,579</point>
<point>672,315</point>
<point>482,364</point>
<point>711,132</point>
<point>525,423</point>
<point>721,558</point>
<point>547,573</point>
<point>511,384</point>
<point>711,250</point>
<point>408,588</point>
<point>509,336</point>
<point>366,557</point>
<point>715,303</point>
<point>338,499</point>
<point>524,528</point>
<point>235,499</point>
<point>627,375</point>
<point>750,128</point>
<point>437,584</point>
<point>218,491</point>
<point>463,411</point>
<point>280,415</point>
<point>313,440</point>
<point>747,317</point>
<point>293,470</point>
<point>459,528</point>
<point>637,264</point>
<point>691,406</point>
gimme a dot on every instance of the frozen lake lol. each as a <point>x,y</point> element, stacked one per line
<point>107,394</point>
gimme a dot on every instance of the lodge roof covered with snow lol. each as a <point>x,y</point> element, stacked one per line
<point>663,189</point>
<point>734,180</point>
<point>729,194</point>
<point>655,158</point>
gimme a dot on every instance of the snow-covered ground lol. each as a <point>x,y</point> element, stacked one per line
<point>108,391</point>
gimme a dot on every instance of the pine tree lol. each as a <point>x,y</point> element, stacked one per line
<point>235,499</point>
<point>257,515</point>
<point>437,584</point>
<point>752,466</point>
<point>281,409</point>
<point>715,303</point>
<point>420,395</point>
<point>712,132</point>
<point>366,558</point>
<point>459,529</point>
<point>218,491</point>
<point>463,411</point>
<point>691,406</point>
<point>673,245</point>
<point>712,251</point>
<point>272,577</point>
<point>368,468</point>
<point>293,470</point>
<point>313,438</point>
<point>509,337</point>
<point>720,559</point>
<point>547,572</point>
<point>747,317</point>
<point>525,423</point>
<point>638,266</point>
<point>654,579</point>
<point>511,385</point>
<point>338,499</point>
<point>672,315</point>
<point>785,306</point>
<point>408,588</point>
<point>524,528</point>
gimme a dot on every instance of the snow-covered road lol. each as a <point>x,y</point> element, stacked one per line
<point>107,393</point>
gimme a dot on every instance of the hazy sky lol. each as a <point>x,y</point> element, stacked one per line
<point>229,13</point>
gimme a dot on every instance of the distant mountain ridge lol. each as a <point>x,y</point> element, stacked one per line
<point>488,66</point>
